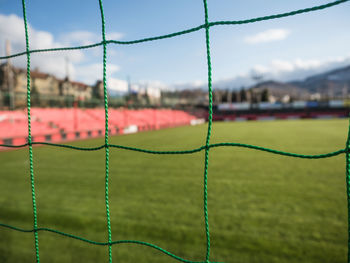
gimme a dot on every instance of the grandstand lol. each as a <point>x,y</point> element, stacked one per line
<point>55,125</point>
<point>273,111</point>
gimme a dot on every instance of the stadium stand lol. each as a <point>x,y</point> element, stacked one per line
<point>54,125</point>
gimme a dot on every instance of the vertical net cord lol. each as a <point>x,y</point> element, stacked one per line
<point>348,186</point>
<point>35,221</point>
<point>210,117</point>
<point>106,130</point>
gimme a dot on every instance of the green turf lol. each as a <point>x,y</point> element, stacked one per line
<point>262,207</point>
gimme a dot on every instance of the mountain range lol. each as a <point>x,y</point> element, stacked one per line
<point>334,83</point>
<point>331,83</point>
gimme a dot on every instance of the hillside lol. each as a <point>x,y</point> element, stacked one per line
<point>332,83</point>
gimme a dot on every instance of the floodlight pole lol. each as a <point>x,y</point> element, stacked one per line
<point>10,75</point>
<point>75,105</point>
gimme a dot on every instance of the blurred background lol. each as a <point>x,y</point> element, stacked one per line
<point>282,84</point>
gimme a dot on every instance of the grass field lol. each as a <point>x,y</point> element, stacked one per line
<point>262,207</point>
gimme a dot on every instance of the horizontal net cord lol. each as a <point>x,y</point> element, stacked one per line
<point>101,243</point>
<point>187,31</point>
<point>190,151</point>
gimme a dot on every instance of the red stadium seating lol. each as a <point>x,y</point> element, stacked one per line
<point>74,123</point>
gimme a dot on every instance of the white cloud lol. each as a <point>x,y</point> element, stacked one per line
<point>114,36</point>
<point>285,70</point>
<point>92,72</point>
<point>279,67</point>
<point>267,36</point>
<point>78,37</point>
<point>118,85</point>
<point>12,28</point>
<point>258,69</point>
<point>157,84</point>
<point>81,37</point>
<point>310,64</point>
<point>198,83</point>
<point>282,65</point>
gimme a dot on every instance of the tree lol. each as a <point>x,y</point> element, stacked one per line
<point>234,96</point>
<point>35,96</point>
<point>243,95</point>
<point>224,97</point>
<point>265,95</point>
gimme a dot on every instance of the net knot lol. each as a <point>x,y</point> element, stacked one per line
<point>347,149</point>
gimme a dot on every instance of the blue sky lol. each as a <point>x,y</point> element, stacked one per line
<point>283,49</point>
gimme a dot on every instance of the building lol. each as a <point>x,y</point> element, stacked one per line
<point>46,89</point>
<point>77,90</point>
